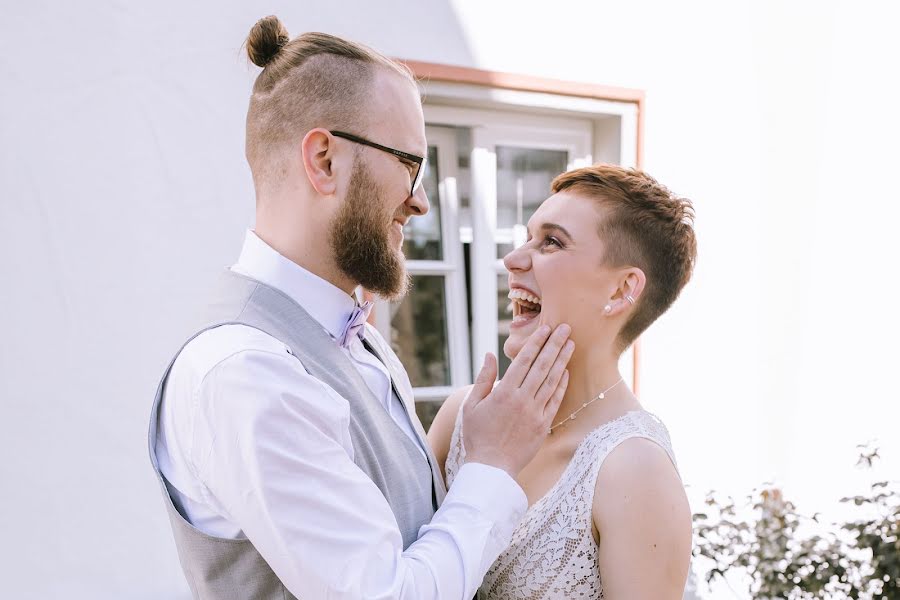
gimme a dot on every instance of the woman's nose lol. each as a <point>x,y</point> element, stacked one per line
<point>518,259</point>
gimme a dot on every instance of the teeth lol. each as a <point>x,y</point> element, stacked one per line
<point>523,295</point>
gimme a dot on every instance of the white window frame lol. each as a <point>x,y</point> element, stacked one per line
<point>571,136</point>
<point>451,268</point>
<point>591,129</point>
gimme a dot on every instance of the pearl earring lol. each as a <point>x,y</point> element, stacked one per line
<point>607,309</point>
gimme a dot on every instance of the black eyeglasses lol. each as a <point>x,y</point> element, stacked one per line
<point>419,161</point>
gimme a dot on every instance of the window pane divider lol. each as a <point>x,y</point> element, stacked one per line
<point>429,267</point>
<point>432,394</point>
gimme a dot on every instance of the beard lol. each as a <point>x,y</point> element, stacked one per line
<point>360,239</point>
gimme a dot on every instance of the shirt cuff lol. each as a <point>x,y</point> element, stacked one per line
<point>493,493</point>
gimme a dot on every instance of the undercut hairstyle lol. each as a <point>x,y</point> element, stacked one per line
<point>643,225</point>
<point>314,80</point>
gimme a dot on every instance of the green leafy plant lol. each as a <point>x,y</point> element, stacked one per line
<point>784,554</point>
<point>879,532</point>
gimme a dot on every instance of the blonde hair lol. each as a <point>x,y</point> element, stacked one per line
<point>314,80</point>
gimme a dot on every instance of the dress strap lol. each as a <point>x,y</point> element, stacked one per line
<point>608,437</point>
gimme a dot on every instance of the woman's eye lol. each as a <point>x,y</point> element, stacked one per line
<point>552,240</point>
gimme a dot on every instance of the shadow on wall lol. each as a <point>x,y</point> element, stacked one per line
<point>125,191</point>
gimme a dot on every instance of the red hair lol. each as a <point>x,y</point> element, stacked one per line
<point>645,226</point>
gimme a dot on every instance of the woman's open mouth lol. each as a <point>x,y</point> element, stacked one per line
<point>525,307</point>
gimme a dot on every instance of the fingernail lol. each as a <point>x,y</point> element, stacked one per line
<point>565,329</point>
<point>545,329</point>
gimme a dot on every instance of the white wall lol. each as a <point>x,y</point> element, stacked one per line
<point>123,187</point>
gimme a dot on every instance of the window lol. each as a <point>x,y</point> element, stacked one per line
<point>429,328</point>
<point>492,156</point>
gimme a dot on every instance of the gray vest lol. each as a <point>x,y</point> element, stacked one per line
<point>218,568</point>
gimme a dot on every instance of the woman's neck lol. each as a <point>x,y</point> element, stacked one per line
<point>590,373</point>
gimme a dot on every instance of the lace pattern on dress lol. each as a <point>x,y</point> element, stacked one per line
<point>553,553</point>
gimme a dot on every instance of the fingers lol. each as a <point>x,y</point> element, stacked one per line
<point>541,366</point>
<point>556,399</point>
<point>520,365</point>
<point>556,371</point>
<point>484,382</point>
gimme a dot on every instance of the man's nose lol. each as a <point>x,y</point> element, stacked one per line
<point>418,202</point>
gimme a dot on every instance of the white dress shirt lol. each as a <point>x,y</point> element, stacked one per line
<point>253,446</point>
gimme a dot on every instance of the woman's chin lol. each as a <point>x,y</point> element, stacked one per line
<point>521,329</point>
<point>518,335</point>
<point>512,346</point>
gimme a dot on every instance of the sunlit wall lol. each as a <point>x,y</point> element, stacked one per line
<point>123,188</point>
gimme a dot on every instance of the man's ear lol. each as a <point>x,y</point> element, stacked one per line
<point>317,152</point>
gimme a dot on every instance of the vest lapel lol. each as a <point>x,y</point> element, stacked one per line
<point>331,366</point>
<point>437,479</point>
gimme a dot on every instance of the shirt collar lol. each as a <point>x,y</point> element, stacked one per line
<point>326,303</point>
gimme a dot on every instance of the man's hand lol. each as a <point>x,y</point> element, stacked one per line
<point>505,426</point>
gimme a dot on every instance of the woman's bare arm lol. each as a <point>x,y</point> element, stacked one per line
<point>642,515</point>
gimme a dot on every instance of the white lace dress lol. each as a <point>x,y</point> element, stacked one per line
<point>553,554</point>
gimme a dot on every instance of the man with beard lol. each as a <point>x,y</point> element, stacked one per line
<point>284,436</point>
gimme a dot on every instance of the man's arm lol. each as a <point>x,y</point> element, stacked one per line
<point>274,454</point>
<point>644,521</point>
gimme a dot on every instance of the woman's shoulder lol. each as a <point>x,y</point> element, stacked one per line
<point>639,467</point>
<point>440,434</point>
<point>637,456</point>
<point>445,420</point>
<point>635,432</point>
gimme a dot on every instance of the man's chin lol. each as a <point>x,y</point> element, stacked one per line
<point>397,292</point>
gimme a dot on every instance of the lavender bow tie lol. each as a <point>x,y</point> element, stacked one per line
<point>356,324</point>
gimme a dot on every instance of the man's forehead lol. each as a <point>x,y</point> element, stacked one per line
<point>397,113</point>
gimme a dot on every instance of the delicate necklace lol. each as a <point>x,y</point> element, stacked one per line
<point>599,396</point>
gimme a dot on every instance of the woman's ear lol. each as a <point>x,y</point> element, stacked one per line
<point>317,153</point>
<point>631,285</point>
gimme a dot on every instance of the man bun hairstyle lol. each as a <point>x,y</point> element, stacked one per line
<point>313,80</point>
<point>266,40</point>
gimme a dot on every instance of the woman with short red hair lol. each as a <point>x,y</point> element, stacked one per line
<point>607,253</point>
